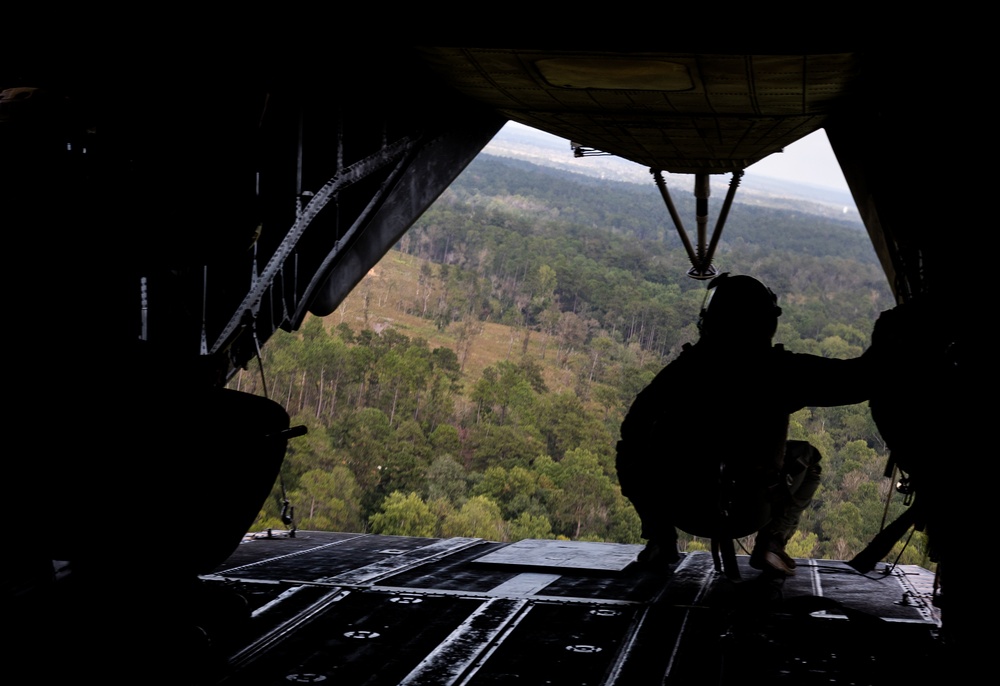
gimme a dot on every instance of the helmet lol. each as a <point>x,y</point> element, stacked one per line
<point>739,307</point>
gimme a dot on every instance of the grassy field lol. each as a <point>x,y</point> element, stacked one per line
<point>393,293</point>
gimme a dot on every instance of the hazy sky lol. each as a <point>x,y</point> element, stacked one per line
<point>810,160</point>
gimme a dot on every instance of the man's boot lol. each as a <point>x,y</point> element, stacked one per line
<point>768,553</point>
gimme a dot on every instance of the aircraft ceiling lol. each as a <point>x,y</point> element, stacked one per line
<point>678,112</point>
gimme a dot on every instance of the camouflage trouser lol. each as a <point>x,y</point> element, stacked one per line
<point>663,505</point>
<point>801,473</point>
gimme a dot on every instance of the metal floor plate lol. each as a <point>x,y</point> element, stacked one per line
<point>578,555</point>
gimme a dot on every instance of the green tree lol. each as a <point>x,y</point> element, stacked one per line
<point>565,424</point>
<point>479,517</point>
<point>403,515</point>
<point>503,389</point>
<point>585,497</point>
<point>406,460</point>
<point>444,439</point>
<point>529,526</point>
<point>842,529</point>
<point>516,490</point>
<point>327,501</point>
<point>362,440</point>
<point>802,545</point>
<point>446,480</point>
<point>314,450</point>
<point>624,525</point>
<point>437,406</point>
<point>837,347</point>
<point>505,446</point>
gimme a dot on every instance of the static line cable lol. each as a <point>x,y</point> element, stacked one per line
<point>889,567</point>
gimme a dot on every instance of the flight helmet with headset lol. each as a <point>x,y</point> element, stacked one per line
<point>739,306</point>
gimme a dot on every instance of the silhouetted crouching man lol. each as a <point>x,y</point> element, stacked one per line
<point>704,446</point>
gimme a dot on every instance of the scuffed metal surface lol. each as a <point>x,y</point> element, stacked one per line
<point>465,611</point>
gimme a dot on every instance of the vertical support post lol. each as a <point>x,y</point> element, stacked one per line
<point>702,191</point>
